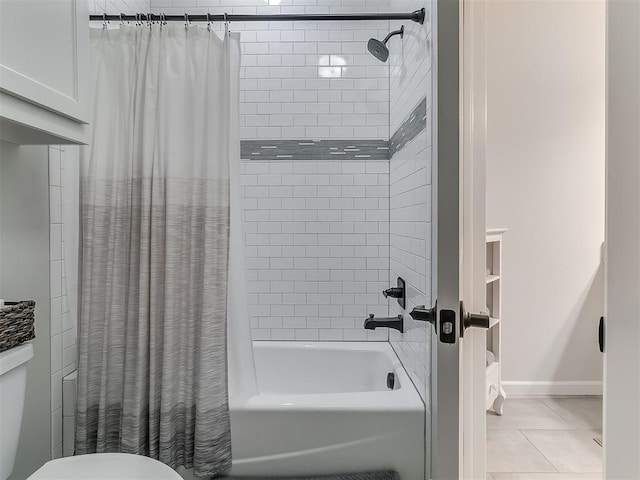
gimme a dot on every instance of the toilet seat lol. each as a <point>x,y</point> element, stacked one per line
<point>105,466</point>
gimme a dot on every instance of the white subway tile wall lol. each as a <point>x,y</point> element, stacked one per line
<point>410,195</point>
<point>63,329</point>
<point>410,63</point>
<point>410,241</point>
<point>410,198</point>
<point>317,248</point>
<point>112,7</point>
<point>312,80</point>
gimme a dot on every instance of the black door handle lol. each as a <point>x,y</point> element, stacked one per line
<point>601,334</point>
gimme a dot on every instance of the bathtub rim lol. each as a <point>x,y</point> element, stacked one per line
<point>406,398</point>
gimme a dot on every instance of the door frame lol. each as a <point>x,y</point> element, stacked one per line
<point>621,427</point>
<point>446,458</point>
<point>459,431</point>
<point>622,248</point>
<point>473,148</point>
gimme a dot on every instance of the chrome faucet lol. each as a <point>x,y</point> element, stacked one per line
<point>372,323</point>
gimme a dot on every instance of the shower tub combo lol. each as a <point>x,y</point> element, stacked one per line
<point>328,407</point>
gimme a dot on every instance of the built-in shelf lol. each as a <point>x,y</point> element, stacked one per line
<point>495,393</point>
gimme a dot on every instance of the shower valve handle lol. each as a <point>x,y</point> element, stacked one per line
<point>398,292</point>
<point>393,292</point>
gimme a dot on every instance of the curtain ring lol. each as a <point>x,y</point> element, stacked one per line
<point>104,20</point>
<point>208,22</point>
<point>226,23</point>
<point>121,21</point>
<point>186,21</point>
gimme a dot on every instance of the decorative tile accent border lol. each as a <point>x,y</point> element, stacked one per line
<point>314,150</point>
<point>265,150</point>
<point>410,128</point>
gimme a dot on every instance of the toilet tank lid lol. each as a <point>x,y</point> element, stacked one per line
<point>14,357</point>
<point>105,466</point>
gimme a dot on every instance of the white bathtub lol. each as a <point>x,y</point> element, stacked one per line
<point>324,408</point>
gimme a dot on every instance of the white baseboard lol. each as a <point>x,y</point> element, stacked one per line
<point>545,389</point>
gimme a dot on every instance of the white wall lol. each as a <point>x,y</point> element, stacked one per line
<point>410,203</point>
<point>545,179</point>
<point>317,247</point>
<point>24,234</point>
<point>410,192</point>
<point>114,7</point>
<point>64,221</point>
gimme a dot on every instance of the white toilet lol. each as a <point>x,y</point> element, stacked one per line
<point>13,383</point>
<point>105,466</point>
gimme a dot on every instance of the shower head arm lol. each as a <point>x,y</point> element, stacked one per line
<point>393,34</point>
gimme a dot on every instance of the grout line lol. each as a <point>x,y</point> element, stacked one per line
<point>555,414</point>
<point>573,427</point>
<point>542,454</point>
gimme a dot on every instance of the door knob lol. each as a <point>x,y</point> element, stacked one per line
<point>445,327</point>
<point>476,320</point>
<point>424,314</point>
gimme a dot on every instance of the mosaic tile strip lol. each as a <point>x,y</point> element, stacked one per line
<point>410,128</point>
<point>314,150</point>
<point>338,149</point>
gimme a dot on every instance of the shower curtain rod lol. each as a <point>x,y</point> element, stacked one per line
<point>418,16</point>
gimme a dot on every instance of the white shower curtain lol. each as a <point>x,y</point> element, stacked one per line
<point>155,202</point>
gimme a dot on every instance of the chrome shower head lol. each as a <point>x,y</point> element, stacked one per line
<point>379,48</point>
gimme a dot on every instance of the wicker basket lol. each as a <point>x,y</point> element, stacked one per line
<point>16,323</point>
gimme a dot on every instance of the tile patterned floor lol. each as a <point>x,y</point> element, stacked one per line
<point>545,439</point>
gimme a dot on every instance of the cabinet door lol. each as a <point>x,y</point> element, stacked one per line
<point>44,54</point>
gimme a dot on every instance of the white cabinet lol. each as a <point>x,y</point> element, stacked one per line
<point>495,393</point>
<point>44,66</point>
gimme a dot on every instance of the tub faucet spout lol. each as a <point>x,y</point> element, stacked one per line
<point>372,323</point>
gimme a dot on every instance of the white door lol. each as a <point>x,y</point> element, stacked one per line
<point>622,333</point>
<point>446,359</point>
<point>474,140</point>
<point>458,369</point>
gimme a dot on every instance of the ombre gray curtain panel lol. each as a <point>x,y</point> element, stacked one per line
<point>152,371</point>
